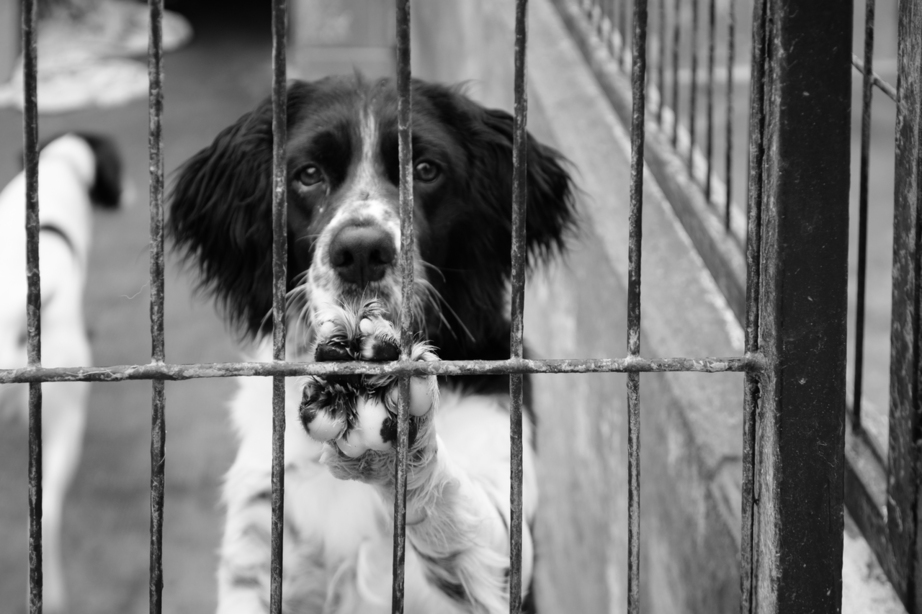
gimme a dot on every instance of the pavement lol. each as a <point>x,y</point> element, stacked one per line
<point>222,74</point>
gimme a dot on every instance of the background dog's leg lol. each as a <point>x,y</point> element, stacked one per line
<point>63,425</point>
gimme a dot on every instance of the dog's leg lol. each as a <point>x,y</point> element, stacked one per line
<point>243,572</point>
<point>63,425</point>
<point>457,494</point>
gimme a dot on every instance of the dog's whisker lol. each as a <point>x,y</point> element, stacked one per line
<point>433,267</point>
<point>441,302</point>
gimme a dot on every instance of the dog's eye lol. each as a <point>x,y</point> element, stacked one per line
<point>310,175</point>
<point>426,172</point>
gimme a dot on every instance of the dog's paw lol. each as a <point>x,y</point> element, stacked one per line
<point>356,415</point>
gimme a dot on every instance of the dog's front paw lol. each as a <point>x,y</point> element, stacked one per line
<point>357,415</point>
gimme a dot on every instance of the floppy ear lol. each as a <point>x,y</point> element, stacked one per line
<point>221,218</point>
<point>550,213</point>
<point>473,280</point>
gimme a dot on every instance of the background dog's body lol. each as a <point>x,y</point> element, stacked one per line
<point>75,172</point>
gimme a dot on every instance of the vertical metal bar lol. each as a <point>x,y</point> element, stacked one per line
<point>903,514</point>
<point>693,90</point>
<point>516,341</point>
<point>33,298</point>
<point>158,400</point>
<point>800,425</point>
<point>712,18</point>
<point>661,69</point>
<point>728,172</point>
<point>676,29</point>
<point>279,288</point>
<point>638,72</point>
<point>867,89</point>
<point>405,147</point>
<point>753,282</point>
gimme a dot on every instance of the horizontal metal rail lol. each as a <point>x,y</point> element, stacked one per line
<point>876,80</point>
<point>751,363</point>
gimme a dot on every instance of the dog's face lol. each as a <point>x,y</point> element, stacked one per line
<point>343,213</point>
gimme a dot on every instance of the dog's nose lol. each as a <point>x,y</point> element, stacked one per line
<point>361,254</point>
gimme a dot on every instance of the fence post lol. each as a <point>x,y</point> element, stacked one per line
<point>799,456</point>
<point>905,420</point>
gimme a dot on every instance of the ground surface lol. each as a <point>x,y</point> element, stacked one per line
<point>221,75</point>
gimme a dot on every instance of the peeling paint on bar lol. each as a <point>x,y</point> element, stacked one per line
<point>33,298</point>
<point>752,363</point>
<point>516,341</point>
<point>753,280</point>
<point>638,77</point>
<point>158,401</point>
<point>405,152</point>
<point>279,287</point>
<point>904,462</point>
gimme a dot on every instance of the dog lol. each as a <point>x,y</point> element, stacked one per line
<point>76,172</point>
<point>343,298</point>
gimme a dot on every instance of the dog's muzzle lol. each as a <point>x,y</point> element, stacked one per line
<point>362,253</point>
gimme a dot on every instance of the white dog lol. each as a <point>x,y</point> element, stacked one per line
<point>75,172</point>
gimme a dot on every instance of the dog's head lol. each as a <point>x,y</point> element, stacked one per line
<point>343,214</point>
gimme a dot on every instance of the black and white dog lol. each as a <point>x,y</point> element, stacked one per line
<point>75,173</point>
<point>344,294</point>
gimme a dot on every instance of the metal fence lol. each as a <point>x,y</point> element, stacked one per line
<point>883,493</point>
<point>881,485</point>
<point>795,315</point>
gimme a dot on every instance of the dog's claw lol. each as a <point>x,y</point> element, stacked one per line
<point>358,413</point>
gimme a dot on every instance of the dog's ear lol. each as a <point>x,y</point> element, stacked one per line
<point>221,218</point>
<point>475,275</point>
<point>106,191</point>
<point>549,214</point>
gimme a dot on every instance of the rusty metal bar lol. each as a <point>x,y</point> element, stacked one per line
<point>693,90</point>
<point>878,82</point>
<point>279,288</point>
<point>635,235</point>
<point>866,92</point>
<point>158,400</point>
<point>517,332</point>
<point>709,147</point>
<point>661,67</point>
<point>728,160</point>
<point>178,372</point>
<point>33,297</point>
<point>676,30</point>
<point>799,511</point>
<point>753,282</point>
<point>903,514</point>
<point>405,146</point>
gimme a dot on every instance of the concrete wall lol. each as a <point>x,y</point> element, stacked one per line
<point>337,36</point>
